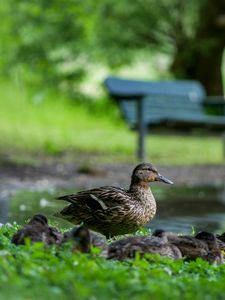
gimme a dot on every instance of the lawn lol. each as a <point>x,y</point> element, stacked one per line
<point>36,272</point>
<point>46,122</point>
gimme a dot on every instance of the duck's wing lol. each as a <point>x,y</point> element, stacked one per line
<point>190,247</point>
<point>99,198</point>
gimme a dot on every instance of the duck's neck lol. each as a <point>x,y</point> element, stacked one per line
<point>137,185</point>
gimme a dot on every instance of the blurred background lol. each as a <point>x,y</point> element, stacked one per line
<point>58,127</point>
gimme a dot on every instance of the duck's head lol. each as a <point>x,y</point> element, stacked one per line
<point>38,219</point>
<point>159,233</point>
<point>146,173</point>
<point>81,239</point>
<point>206,236</point>
<point>164,234</point>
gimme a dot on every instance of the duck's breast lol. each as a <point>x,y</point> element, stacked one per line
<point>144,207</point>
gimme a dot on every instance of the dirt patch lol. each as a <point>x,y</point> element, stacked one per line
<point>63,175</point>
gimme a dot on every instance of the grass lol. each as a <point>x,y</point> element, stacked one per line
<point>51,124</point>
<point>37,272</point>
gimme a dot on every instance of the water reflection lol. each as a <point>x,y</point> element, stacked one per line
<point>188,209</point>
<point>4,207</point>
<point>178,209</point>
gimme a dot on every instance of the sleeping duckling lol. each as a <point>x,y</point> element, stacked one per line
<point>80,238</point>
<point>129,246</point>
<point>37,230</point>
<point>214,255</point>
<point>203,245</point>
<point>112,210</point>
<point>83,239</point>
<point>190,247</point>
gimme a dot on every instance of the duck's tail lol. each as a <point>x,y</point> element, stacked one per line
<point>67,198</point>
<point>58,214</point>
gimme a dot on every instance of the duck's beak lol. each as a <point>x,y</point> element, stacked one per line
<point>163,179</point>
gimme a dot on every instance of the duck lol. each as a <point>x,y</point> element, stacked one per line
<point>80,238</point>
<point>203,245</point>
<point>37,230</point>
<point>190,247</point>
<point>127,247</point>
<point>113,210</point>
<point>83,239</point>
<point>216,246</point>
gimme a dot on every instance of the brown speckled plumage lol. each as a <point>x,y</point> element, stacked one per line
<point>112,210</point>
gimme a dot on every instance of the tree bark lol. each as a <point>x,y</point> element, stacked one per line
<point>201,57</point>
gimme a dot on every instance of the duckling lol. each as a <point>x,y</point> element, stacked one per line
<point>87,238</point>
<point>129,246</point>
<point>203,245</point>
<point>37,230</point>
<point>190,247</point>
<point>209,238</point>
<point>80,237</point>
<point>214,255</point>
<point>112,210</point>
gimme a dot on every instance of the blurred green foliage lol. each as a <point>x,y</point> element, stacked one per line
<point>127,26</point>
<point>56,43</point>
<point>45,41</point>
<point>53,42</point>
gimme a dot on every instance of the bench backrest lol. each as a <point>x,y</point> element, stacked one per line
<point>162,99</point>
<point>128,89</point>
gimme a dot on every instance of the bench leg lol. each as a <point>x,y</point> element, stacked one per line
<point>224,145</point>
<point>141,130</point>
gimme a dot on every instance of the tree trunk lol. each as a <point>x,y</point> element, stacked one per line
<point>201,58</point>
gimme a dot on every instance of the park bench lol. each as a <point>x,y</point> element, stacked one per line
<point>165,104</point>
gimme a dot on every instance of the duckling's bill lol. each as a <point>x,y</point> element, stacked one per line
<point>163,179</point>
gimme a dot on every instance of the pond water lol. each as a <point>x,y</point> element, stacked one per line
<point>179,209</point>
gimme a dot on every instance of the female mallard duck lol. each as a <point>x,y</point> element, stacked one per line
<point>129,246</point>
<point>37,230</point>
<point>112,210</point>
